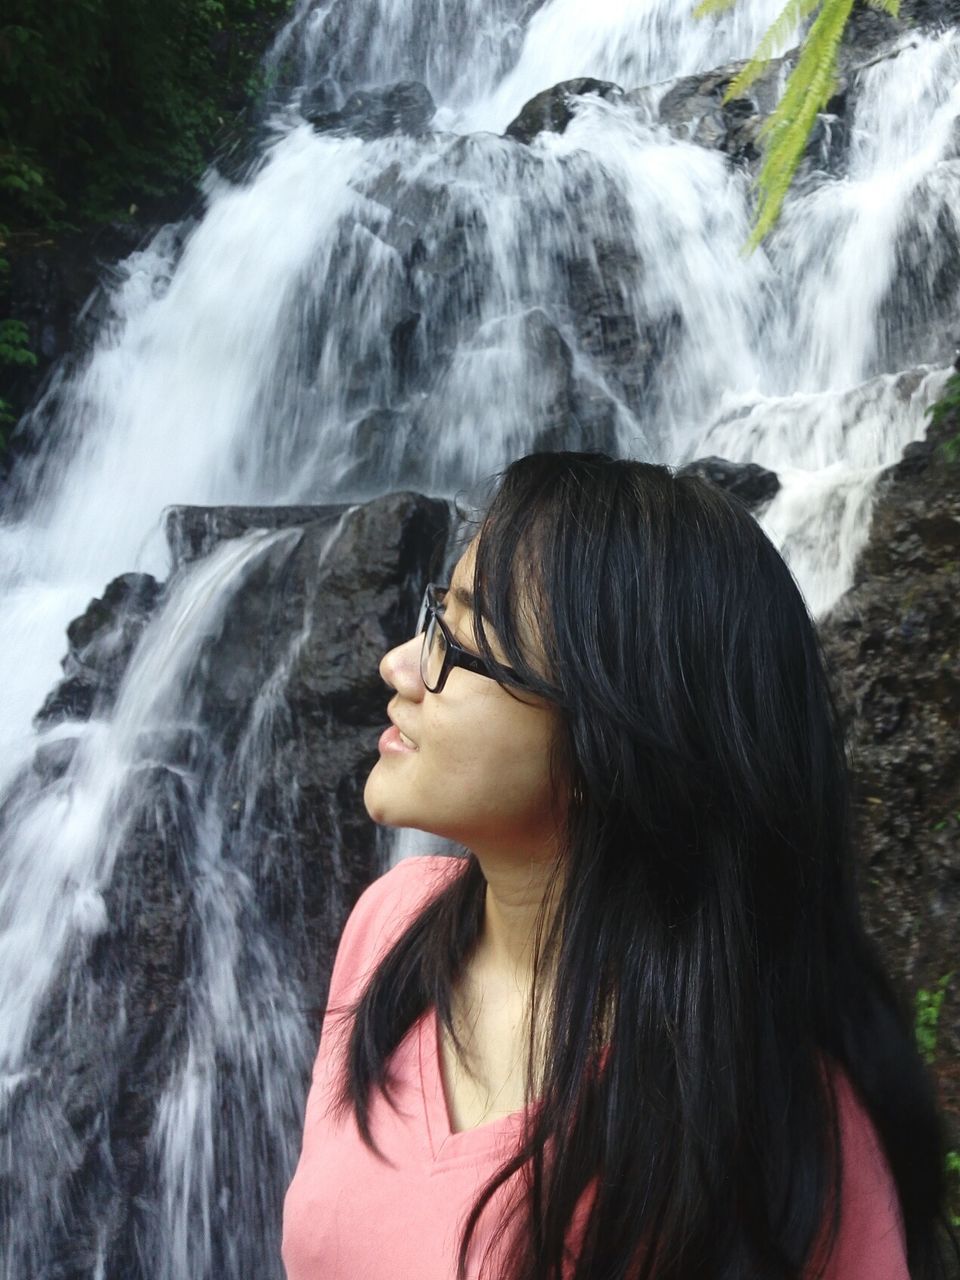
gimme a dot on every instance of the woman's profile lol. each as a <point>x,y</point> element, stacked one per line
<point>638,1031</point>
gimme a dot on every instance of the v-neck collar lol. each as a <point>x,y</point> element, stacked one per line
<point>467,1146</point>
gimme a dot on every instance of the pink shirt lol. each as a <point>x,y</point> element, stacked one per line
<point>351,1216</point>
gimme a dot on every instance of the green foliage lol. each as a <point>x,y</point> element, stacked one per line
<point>14,350</point>
<point>104,102</point>
<point>807,92</point>
<point>948,407</point>
<point>14,347</point>
<point>927,1006</point>
<point>953,1183</point>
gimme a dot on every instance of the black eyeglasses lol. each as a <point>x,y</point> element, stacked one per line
<point>441,653</point>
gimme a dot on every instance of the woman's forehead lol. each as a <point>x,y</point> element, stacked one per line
<point>525,613</point>
<point>461,579</point>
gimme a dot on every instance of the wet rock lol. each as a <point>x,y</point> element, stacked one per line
<point>911,334</point>
<point>448,252</point>
<point>413,207</point>
<point>115,1015</point>
<point>319,99</point>
<point>915,459</point>
<point>752,484</point>
<point>51,760</point>
<point>101,642</point>
<point>626,352</point>
<point>72,699</point>
<point>404,107</point>
<point>193,532</point>
<point>404,352</point>
<point>103,637</point>
<point>695,109</point>
<point>178,748</point>
<point>870,31</point>
<point>382,445</point>
<point>893,642</point>
<point>323,618</point>
<point>553,109</point>
<point>571,413</point>
<point>287,713</point>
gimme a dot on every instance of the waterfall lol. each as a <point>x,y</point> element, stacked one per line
<point>359,316</point>
<point>61,846</point>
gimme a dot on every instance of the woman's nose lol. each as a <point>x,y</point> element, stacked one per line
<point>400,668</point>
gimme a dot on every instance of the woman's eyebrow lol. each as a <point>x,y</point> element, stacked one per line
<point>467,601</point>
<point>463,597</point>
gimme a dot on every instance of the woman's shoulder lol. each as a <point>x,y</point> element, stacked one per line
<point>384,910</point>
<point>408,886</point>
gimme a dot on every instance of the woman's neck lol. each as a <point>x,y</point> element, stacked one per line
<point>519,893</point>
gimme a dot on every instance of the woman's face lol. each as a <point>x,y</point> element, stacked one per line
<point>472,762</point>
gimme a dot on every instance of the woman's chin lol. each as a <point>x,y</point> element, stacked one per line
<point>381,806</point>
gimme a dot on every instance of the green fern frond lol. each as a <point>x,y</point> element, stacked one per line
<point>777,33</point>
<point>708,7</point>
<point>807,92</point>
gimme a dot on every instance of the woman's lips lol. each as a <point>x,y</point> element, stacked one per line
<point>393,742</point>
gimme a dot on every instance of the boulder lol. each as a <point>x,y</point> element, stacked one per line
<point>554,108</point>
<point>193,532</point>
<point>893,642</point>
<point>251,812</point>
<point>752,484</point>
<point>404,107</point>
<point>101,642</point>
<point>694,108</point>
<point>52,760</point>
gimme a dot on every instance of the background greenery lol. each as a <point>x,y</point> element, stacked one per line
<point>106,105</point>
<point>105,102</point>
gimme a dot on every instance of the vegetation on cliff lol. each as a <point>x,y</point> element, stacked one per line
<point>107,104</point>
<point>104,103</point>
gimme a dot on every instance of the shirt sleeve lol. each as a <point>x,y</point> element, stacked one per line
<point>870,1243</point>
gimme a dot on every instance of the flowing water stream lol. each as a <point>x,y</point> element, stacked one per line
<point>432,300</point>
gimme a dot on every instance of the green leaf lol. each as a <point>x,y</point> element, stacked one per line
<point>787,130</point>
<point>776,35</point>
<point>927,1006</point>
<point>707,8</point>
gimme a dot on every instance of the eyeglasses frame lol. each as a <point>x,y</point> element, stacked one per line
<point>454,655</point>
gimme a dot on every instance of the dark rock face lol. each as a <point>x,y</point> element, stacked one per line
<point>869,28</point>
<point>694,109</point>
<point>316,613</point>
<point>436,222</point>
<point>575,414</point>
<point>101,642</point>
<point>553,109</point>
<point>193,532</point>
<point>383,444</point>
<point>752,484</point>
<point>405,107</point>
<point>894,644</point>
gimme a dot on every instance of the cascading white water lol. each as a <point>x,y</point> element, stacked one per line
<point>60,847</point>
<point>240,366</point>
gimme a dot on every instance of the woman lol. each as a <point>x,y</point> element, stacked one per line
<point>638,1031</point>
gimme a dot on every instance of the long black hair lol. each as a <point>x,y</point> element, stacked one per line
<point>711,978</point>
